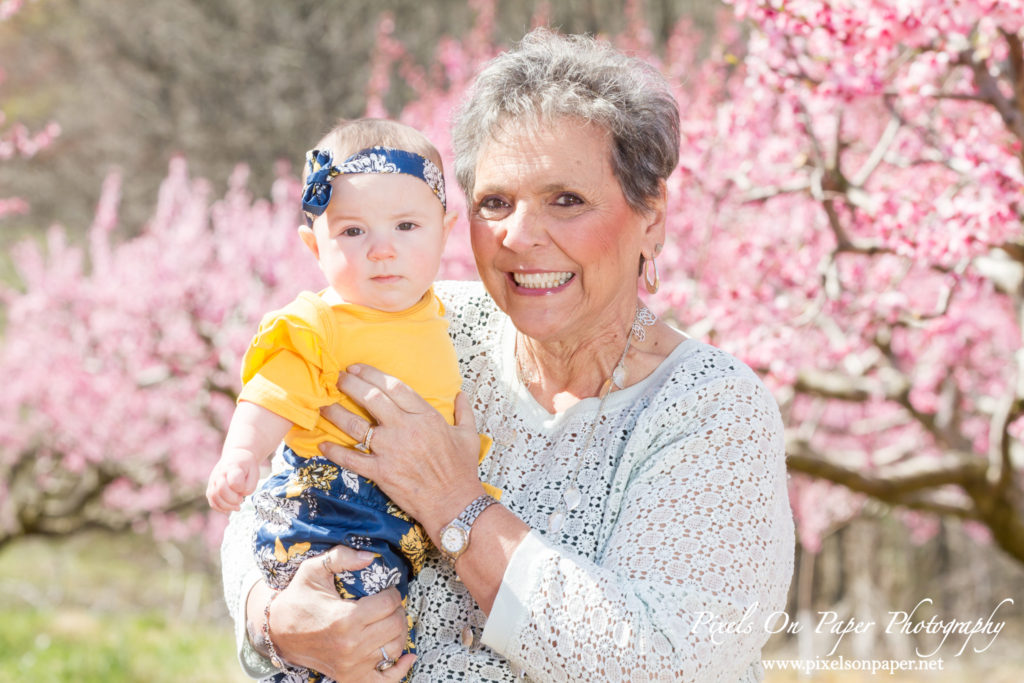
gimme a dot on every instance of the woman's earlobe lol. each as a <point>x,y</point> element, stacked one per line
<point>658,211</point>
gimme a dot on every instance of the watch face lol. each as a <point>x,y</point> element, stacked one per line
<point>453,539</point>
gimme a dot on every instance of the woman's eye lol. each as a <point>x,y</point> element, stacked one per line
<point>407,225</point>
<point>492,204</point>
<point>352,232</point>
<point>568,199</point>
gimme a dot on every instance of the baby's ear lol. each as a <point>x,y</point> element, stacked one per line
<point>449,222</point>
<point>308,238</point>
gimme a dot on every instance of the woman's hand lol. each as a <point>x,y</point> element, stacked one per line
<point>426,466</point>
<point>311,626</point>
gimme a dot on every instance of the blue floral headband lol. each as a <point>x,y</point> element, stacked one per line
<point>320,171</point>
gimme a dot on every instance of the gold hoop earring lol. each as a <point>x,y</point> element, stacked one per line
<point>651,284</point>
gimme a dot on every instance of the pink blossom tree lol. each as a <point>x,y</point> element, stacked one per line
<point>847,219</point>
<point>121,360</point>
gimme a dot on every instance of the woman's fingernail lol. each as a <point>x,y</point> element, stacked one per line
<point>364,555</point>
<point>352,369</point>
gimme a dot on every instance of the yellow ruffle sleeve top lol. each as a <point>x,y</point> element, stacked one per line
<point>291,367</point>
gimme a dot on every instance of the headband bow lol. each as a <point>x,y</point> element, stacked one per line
<point>320,171</point>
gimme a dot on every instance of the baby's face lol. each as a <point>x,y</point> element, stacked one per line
<point>380,240</point>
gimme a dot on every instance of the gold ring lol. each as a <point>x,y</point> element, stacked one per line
<point>326,560</point>
<point>364,445</point>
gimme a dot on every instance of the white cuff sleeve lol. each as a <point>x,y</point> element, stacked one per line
<point>253,663</point>
<point>511,605</point>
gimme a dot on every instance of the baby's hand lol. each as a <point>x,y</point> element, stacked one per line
<point>232,479</point>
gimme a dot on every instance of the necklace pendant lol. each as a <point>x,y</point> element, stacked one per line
<point>619,375</point>
<point>572,497</point>
<point>555,520</point>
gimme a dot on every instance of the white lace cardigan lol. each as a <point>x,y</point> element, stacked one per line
<point>685,520</point>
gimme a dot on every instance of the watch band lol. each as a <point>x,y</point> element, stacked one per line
<point>474,509</point>
<point>455,534</point>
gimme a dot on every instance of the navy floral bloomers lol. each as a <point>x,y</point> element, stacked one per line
<point>313,505</point>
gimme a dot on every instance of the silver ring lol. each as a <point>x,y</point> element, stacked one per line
<point>326,561</point>
<point>364,445</point>
<point>386,663</point>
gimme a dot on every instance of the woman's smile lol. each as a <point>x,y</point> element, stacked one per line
<point>542,282</point>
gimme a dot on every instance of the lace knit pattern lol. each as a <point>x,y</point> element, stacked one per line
<point>684,512</point>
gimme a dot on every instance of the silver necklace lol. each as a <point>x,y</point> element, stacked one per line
<point>571,496</point>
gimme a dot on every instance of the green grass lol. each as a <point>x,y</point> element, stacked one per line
<point>74,645</point>
<point>112,608</point>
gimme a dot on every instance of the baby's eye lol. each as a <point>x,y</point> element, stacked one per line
<point>568,199</point>
<point>407,225</point>
<point>352,232</point>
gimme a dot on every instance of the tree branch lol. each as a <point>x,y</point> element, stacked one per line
<point>762,193</point>
<point>888,485</point>
<point>889,384</point>
<point>878,152</point>
<point>989,91</point>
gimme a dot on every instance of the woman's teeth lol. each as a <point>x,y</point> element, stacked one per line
<point>541,280</point>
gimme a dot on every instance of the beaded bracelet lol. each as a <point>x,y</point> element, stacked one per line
<point>275,658</point>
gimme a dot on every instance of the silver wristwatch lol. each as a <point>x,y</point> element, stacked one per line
<point>455,534</point>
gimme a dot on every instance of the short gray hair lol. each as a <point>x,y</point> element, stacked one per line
<point>549,76</point>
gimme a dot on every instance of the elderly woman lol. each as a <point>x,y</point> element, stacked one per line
<point>644,530</point>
